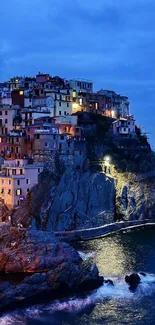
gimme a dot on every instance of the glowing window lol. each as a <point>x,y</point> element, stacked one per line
<point>18,192</point>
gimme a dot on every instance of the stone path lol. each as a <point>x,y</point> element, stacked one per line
<point>93,233</point>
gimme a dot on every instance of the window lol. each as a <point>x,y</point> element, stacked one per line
<point>59,112</point>
<point>38,136</point>
<point>27,181</point>
<point>128,123</point>
<point>19,192</point>
<point>62,137</point>
<point>13,171</point>
<point>21,172</point>
<point>46,144</point>
<point>67,104</point>
<point>21,93</point>
<point>17,140</point>
<point>2,181</point>
<point>6,121</point>
<point>6,112</point>
<point>2,191</point>
<point>9,191</point>
<point>17,150</point>
<point>77,129</point>
<point>64,112</point>
<point>124,129</point>
<point>129,129</point>
<point>59,103</point>
<point>54,136</point>
<point>18,182</point>
<point>0,112</point>
<point>38,170</point>
<point>9,182</point>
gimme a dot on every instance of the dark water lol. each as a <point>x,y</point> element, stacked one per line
<point>115,256</point>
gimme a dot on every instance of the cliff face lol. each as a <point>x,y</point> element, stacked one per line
<point>87,199</point>
<point>136,200</point>
<point>82,199</point>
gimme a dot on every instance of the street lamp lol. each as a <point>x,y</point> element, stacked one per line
<point>107,160</point>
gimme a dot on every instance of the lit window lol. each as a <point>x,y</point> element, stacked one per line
<point>21,93</point>
<point>74,93</point>
<point>18,192</point>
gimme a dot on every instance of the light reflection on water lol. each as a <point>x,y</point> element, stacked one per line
<point>115,257</point>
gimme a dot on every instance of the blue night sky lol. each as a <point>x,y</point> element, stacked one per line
<point>110,42</point>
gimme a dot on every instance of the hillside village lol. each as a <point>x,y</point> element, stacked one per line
<point>51,123</point>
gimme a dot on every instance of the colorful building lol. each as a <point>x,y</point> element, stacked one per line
<point>16,180</point>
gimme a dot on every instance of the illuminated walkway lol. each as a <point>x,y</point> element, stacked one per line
<point>93,233</point>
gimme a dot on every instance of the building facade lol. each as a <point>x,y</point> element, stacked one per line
<point>16,180</point>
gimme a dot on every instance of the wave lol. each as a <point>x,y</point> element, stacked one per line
<point>86,256</point>
<point>76,305</point>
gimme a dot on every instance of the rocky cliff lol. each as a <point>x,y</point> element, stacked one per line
<point>92,199</point>
<point>82,200</point>
<point>85,199</point>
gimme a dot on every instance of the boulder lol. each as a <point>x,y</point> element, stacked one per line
<point>109,282</point>
<point>142,273</point>
<point>133,280</point>
<point>54,267</point>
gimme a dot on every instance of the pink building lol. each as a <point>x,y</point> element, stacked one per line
<point>124,127</point>
<point>16,180</point>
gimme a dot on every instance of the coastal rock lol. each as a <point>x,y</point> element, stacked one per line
<point>109,282</point>
<point>133,280</point>
<point>54,267</point>
<point>82,200</point>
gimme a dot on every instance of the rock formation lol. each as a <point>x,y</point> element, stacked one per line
<point>53,267</point>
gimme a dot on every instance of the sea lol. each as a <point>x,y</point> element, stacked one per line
<point>116,256</point>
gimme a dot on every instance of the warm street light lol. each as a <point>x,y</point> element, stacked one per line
<point>107,159</point>
<point>112,113</point>
<point>75,105</point>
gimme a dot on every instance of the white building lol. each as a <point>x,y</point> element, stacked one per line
<point>81,85</point>
<point>124,127</point>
